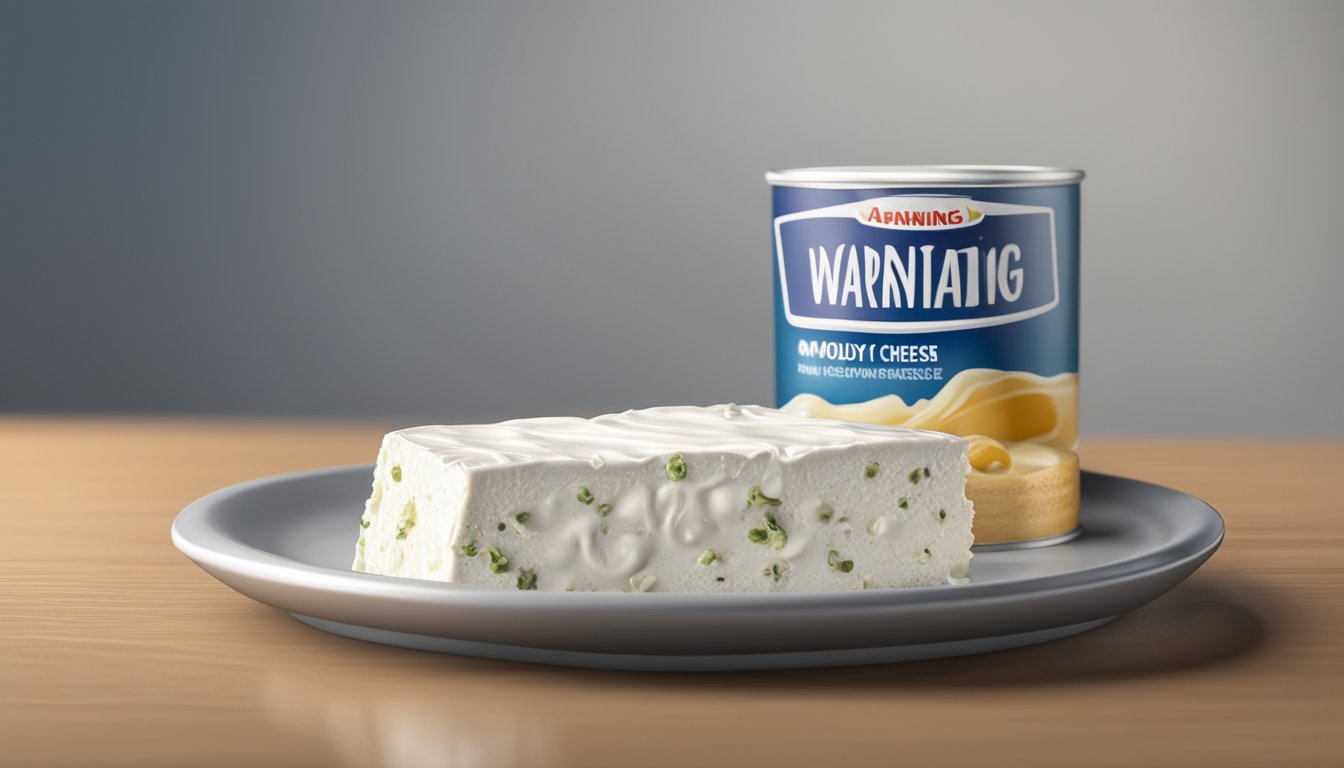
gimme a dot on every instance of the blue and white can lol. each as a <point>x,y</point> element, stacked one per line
<point>944,298</point>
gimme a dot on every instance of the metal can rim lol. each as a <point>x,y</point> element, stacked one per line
<point>864,176</point>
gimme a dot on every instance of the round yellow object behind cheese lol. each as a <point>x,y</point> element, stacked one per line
<point>1020,430</point>
<point>1035,497</point>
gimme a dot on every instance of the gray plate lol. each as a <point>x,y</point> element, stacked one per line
<point>287,541</point>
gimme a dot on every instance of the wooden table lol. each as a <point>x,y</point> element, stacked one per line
<point>116,650</point>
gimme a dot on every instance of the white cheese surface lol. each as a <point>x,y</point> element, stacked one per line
<point>637,501</point>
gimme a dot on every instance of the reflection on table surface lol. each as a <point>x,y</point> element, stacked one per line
<point>407,726</point>
<point>407,709</point>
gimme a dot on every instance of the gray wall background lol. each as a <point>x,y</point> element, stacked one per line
<point>438,212</point>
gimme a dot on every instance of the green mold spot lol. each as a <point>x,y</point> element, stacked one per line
<point>527,578</point>
<point>834,561</point>
<point>757,498</point>
<point>407,520</point>
<point>676,469</point>
<point>773,533</point>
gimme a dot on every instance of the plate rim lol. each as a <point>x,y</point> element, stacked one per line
<point>213,549</point>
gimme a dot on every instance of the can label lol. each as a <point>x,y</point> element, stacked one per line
<point>908,264</point>
<point>946,309</point>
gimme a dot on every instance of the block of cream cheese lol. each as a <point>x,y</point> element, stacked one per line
<point>678,499</point>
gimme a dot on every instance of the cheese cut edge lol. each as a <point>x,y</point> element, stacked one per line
<point>687,499</point>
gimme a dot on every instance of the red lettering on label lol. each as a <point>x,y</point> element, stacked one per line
<point>905,218</point>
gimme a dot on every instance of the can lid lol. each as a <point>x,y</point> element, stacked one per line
<point>859,176</point>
